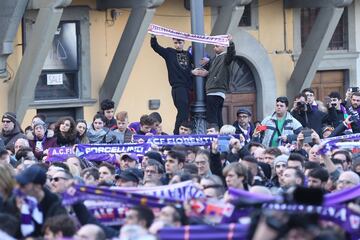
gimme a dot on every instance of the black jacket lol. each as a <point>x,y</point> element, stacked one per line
<point>334,117</point>
<point>219,71</point>
<point>9,138</point>
<point>178,64</point>
<point>50,206</point>
<point>85,217</point>
<point>239,131</point>
<point>315,119</point>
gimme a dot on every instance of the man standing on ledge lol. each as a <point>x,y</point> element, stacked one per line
<point>178,63</point>
<point>217,72</point>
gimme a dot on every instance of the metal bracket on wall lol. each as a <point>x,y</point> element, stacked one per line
<point>11,12</point>
<point>142,12</point>
<point>47,21</point>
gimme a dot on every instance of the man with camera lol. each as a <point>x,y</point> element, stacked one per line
<point>336,111</point>
<point>304,113</point>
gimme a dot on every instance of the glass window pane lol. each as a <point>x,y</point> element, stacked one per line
<point>63,53</point>
<point>246,18</point>
<point>339,40</point>
<point>52,86</point>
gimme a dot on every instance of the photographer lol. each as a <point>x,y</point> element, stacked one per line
<point>336,111</point>
<point>303,112</point>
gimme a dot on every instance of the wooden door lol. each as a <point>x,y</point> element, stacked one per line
<point>242,92</point>
<point>235,101</point>
<point>326,82</point>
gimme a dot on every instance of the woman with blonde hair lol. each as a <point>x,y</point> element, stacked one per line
<point>7,181</point>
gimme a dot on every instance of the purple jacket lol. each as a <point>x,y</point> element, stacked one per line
<point>136,127</point>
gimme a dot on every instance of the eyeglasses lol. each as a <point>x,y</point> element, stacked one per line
<point>212,186</point>
<point>56,179</point>
<point>309,94</point>
<point>242,116</point>
<point>345,182</point>
<point>6,121</point>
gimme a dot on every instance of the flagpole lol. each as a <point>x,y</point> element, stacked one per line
<point>197,27</point>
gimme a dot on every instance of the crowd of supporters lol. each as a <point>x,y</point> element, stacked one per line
<point>268,157</point>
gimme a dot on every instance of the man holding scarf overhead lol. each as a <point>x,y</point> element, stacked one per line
<point>217,73</point>
<point>178,63</point>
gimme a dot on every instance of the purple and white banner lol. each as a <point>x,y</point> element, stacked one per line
<point>179,191</point>
<point>60,154</point>
<point>137,148</point>
<point>221,40</point>
<point>349,141</point>
<point>333,208</point>
<point>171,140</point>
<point>110,204</point>
<point>96,152</point>
<point>338,214</point>
<point>230,231</point>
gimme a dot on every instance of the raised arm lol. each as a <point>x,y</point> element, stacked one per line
<point>157,48</point>
<point>230,54</point>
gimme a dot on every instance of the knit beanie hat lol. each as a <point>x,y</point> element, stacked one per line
<point>281,159</point>
<point>39,122</point>
<point>11,116</point>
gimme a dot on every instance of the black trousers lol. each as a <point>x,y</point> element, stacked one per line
<point>214,105</point>
<point>180,97</point>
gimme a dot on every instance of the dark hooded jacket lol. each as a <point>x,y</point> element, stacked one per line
<point>10,138</point>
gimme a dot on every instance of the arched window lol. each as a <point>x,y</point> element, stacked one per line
<point>241,79</point>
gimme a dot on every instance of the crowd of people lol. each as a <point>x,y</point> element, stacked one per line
<point>268,157</point>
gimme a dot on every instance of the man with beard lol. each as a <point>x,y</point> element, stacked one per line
<point>291,177</point>
<point>354,112</point>
<point>178,63</point>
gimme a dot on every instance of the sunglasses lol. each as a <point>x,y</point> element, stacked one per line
<point>56,179</point>
<point>6,121</point>
<point>212,186</point>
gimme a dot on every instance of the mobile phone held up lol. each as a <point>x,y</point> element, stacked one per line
<point>354,89</point>
<point>307,135</point>
<point>223,143</point>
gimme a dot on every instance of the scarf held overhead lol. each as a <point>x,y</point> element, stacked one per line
<point>221,40</point>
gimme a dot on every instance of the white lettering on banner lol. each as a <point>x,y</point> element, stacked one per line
<point>354,221</point>
<point>123,149</point>
<point>180,191</point>
<point>61,151</point>
<point>340,214</point>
